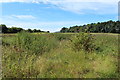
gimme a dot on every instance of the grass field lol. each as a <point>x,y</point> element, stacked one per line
<point>57,55</point>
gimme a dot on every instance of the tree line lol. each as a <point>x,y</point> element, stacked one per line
<point>100,27</point>
<point>5,29</point>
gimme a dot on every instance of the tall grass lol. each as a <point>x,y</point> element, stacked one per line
<point>22,57</point>
<point>36,44</point>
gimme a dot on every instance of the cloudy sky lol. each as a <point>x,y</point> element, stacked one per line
<point>52,15</point>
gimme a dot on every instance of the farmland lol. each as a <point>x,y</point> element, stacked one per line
<point>60,55</point>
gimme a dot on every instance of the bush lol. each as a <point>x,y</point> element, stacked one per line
<point>36,44</point>
<point>83,41</point>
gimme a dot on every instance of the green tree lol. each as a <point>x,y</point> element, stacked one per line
<point>29,30</point>
<point>3,28</point>
<point>64,29</point>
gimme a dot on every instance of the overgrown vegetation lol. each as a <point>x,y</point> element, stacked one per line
<point>22,56</point>
<point>38,44</point>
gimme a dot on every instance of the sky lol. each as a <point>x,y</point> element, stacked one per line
<point>52,15</point>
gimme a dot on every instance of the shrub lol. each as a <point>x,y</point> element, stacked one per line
<point>36,44</point>
<point>83,41</point>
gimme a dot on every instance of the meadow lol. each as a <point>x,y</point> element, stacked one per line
<point>60,55</point>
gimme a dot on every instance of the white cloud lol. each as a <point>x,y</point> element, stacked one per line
<point>45,1</point>
<point>76,6</point>
<point>79,6</point>
<point>46,26</point>
<point>51,26</point>
<point>91,7</point>
<point>12,1</point>
<point>23,16</point>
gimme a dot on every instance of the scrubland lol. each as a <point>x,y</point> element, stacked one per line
<point>57,55</point>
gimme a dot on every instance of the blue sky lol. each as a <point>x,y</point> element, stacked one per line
<point>52,15</point>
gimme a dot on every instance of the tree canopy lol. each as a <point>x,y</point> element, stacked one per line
<point>5,29</point>
<point>100,27</point>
